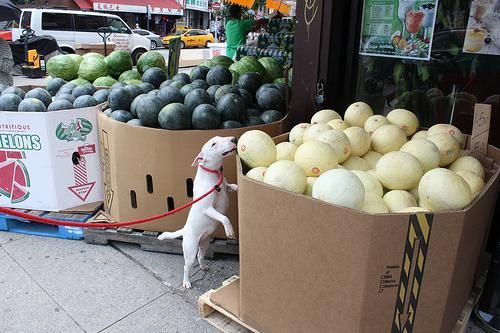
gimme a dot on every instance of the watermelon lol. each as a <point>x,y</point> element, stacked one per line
<point>166,83</point>
<point>231,124</point>
<point>104,81</point>
<point>196,97</point>
<point>175,116</point>
<point>212,90</point>
<point>271,99</point>
<point>252,113</point>
<point>148,108</point>
<point>186,89</point>
<point>76,58</point>
<point>118,62</point>
<point>231,107</point>
<point>86,89</point>
<point>169,95</point>
<point>154,93</point>
<point>155,76</point>
<point>250,64</point>
<point>108,112</point>
<point>15,181</point>
<point>225,89</point>
<point>219,75</point>
<point>133,105</point>
<point>279,80</point>
<point>131,74</point>
<point>121,115</point>
<point>79,81</point>
<point>60,104</point>
<point>14,90</point>
<point>118,85</point>
<point>202,84</point>
<point>3,87</point>
<point>221,60</point>
<point>270,116</point>
<point>66,89</point>
<point>92,68</point>
<point>199,73</point>
<point>247,97</point>
<point>40,94</point>
<point>54,85</point>
<point>9,102</point>
<point>205,117</point>
<point>264,87</point>
<point>93,55</point>
<point>273,68</point>
<point>146,87</point>
<point>182,77</point>
<point>136,82</point>
<point>177,84</point>
<point>134,90</point>
<point>62,66</point>
<point>70,98</point>
<point>84,101</point>
<point>282,87</point>
<point>31,105</point>
<point>101,96</point>
<point>134,122</point>
<point>253,121</point>
<point>119,99</point>
<point>149,60</point>
<point>250,81</point>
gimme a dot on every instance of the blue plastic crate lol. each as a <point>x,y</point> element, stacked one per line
<point>23,226</point>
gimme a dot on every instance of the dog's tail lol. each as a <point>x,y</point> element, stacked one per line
<point>171,235</point>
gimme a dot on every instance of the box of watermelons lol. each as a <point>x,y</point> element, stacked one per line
<point>48,160</point>
<point>150,139</point>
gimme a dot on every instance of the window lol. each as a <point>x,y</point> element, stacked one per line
<point>26,20</point>
<point>117,25</point>
<point>89,23</point>
<point>141,32</point>
<point>56,21</point>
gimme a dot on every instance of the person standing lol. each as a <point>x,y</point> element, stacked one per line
<point>6,63</point>
<point>237,30</point>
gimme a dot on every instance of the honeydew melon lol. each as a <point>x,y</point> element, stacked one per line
<point>374,204</point>
<point>399,170</point>
<point>297,133</point>
<point>449,148</point>
<point>404,119</point>
<point>356,163</point>
<point>420,135</point>
<point>338,124</point>
<point>324,116</point>
<point>285,151</point>
<point>425,151</point>
<point>388,138</point>
<point>360,140</point>
<point>371,183</point>
<point>257,173</point>
<point>340,187</point>
<point>309,186</point>
<point>313,132</point>
<point>374,122</point>
<point>468,163</point>
<point>339,142</point>
<point>357,114</point>
<point>475,182</point>
<point>286,175</point>
<point>257,149</point>
<point>397,200</point>
<point>372,158</point>
<point>315,157</point>
<point>449,129</point>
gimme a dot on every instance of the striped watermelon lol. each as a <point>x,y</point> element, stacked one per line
<point>249,64</point>
<point>221,60</point>
<point>15,180</point>
<point>273,68</point>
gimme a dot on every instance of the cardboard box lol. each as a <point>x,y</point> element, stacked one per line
<point>148,171</point>
<point>49,161</point>
<point>310,266</point>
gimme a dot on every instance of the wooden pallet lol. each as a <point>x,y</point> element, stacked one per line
<point>219,317</point>
<point>148,241</point>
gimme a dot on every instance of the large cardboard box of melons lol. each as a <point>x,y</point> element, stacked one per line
<point>307,265</point>
<point>49,161</point>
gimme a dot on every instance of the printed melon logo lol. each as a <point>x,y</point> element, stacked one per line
<point>77,130</point>
<point>15,179</point>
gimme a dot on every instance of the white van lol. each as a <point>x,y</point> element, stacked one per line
<point>71,27</point>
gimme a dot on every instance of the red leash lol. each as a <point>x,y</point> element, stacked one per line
<point>45,220</point>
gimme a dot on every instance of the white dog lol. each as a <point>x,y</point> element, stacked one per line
<point>207,213</point>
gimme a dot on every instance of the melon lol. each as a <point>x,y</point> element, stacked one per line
<point>449,148</point>
<point>425,151</point>
<point>420,135</point>
<point>257,173</point>
<point>360,140</point>
<point>315,157</point>
<point>397,200</point>
<point>373,172</point>
<point>372,158</point>
<point>374,122</point>
<point>475,182</point>
<point>468,163</point>
<point>285,151</point>
<point>449,129</point>
<point>357,114</point>
<point>404,119</point>
<point>414,192</point>
<point>340,187</point>
<point>413,210</point>
<point>374,204</point>
<point>370,182</point>
<point>442,189</point>
<point>356,163</point>
<point>313,132</point>
<point>339,142</point>
<point>388,138</point>
<point>309,185</point>
<point>286,175</point>
<point>257,149</point>
<point>297,133</point>
<point>324,116</point>
<point>338,124</point>
<point>399,170</point>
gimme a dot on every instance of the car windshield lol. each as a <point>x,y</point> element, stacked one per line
<point>5,25</point>
<point>178,33</point>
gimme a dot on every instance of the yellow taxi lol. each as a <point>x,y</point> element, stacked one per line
<point>191,38</point>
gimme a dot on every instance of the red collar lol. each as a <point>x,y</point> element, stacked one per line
<point>211,170</point>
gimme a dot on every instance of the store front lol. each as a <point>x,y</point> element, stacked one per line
<point>197,15</point>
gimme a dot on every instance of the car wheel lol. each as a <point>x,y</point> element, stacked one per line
<point>206,44</point>
<point>153,45</point>
<point>137,54</point>
<point>183,45</point>
<point>67,50</point>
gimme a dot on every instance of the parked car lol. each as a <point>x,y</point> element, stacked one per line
<point>6,30</point>
<point>154,38</point>
<point>70,27</point>
<point>191,38</point>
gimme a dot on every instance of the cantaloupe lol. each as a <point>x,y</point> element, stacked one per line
<point>372,158</point>
<point>397,200</point>
<point>449,148</point>
<point>374,122</point>
<point>315,157</point>
<point>425,151</point>
<point>286,175</point>
<point>374,204</point>
<point>404,119</point>
<point>356,163</point>
<point>309,186</point>
<point>313,132</point>
<point>357,114</point>
<point>468,163</point>
<point>360,140</point>
<point>442,189</point>
<point>398,170</point>
<point>449,129</point>
<point>285,151</point>
<point>475,182</point>
<point>388,138</point>
<point>257,149</point>
<point>324,116</point>
<point>338,124</point>
<point>340,187</point>
<point>257,173</point>
<point>413,210</point>
<point>339,142</point>
<point>420,135</point>
<point>297,133</point>
<point>371,183</point>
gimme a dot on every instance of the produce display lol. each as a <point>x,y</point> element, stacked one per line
<point>371,163</point>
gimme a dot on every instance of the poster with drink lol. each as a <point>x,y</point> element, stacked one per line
<point>398,28</point>
<point>483,29</point>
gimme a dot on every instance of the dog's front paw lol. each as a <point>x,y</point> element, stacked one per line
<point>162,236</point>
<point>229,232</point>
<point>186,284</point>
<point>233,187</point>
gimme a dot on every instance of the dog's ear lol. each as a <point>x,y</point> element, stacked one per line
<point>198,159</point>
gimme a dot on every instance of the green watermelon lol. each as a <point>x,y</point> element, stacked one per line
<point>250,64</point>
<point>235,75</point>
<point>148,108</point>
<point>186,89</point>
<point>170,95</point>
<point>175,116</point>
<point>104,81</point>
<point>199,73</point>
<point>253,121</point>
<point>9,102</point>
<point>270,116</point>
<point>76,58</point>
<point>219,75</point>
<point>231,107</point>
<point>93,55</point>
<point>271,99</point>
<point>60,104</point>
<point>135,122</point>
<point>166,83</point>
<point>54,85</point>
<point>136,82</point>
<point>212,90</point>
<point>252,113</point>
<point>177,84</point>
<point>101,96</point>
<point>182,77</point>
<point>155,76</point>
<point>80,81</point>
<point>120,99</point>
<point>273,68</point>
<point>146,87</point>
<point>118,62</point>
<point>196,97</point>
<point>231,124</point>
<point>92,68</point>
<point>205,117</point>
<point>202,84</point>
<point>62,66</point>
<point>31,105</point>
<point>70,98</point>
<point>121,115</point>
<point>250,81</point>
<point>130,75</point>
<point>40,94</point>
<point>221,61</point>
<point>14,90</point>
<point>247,97</point>
<point>279,80</point>
<point>85,89</point>
<point>149,60</point>
<point>66,89</point>
<point>84,101</point>
<point>133,105</point>
<point>225,89</point>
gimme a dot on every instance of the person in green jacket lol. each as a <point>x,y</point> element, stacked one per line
<point>237,30</point>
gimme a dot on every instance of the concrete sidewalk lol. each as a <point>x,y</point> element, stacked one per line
<point>56,285</point>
